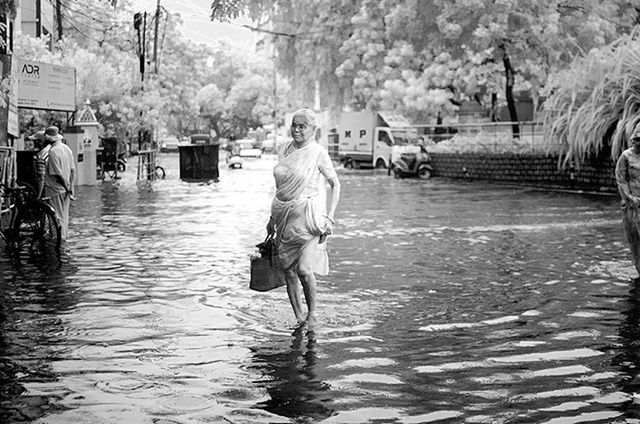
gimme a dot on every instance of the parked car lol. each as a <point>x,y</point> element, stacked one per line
<point>248,148</point>
<point>169,144</point>
<point>246,143</point>
<point>251,153</point>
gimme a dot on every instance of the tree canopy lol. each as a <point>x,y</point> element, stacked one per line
<point>103,45</point>
<point>422,57</point>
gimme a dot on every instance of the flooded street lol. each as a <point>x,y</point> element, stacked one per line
<point>447,301</point>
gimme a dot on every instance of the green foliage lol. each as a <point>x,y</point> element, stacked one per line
<point>7,7</point>
<point>221,82</point>
<point>418,56</point>
<point>307,38</point>
<point>224,10</point>
<point>594,105</point>
<point>239,95</point>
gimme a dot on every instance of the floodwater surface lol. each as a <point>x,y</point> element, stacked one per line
<point>447,301</point>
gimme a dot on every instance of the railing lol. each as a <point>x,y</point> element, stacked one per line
<point>438,132</point>
<point>488,136</point>
<point>147,165</point>
<point>7,165</point>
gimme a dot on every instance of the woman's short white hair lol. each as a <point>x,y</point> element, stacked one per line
<point>308,115</point>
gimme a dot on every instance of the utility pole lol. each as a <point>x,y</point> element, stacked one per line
<point>144,44</point>
<point>137,23</point>
<point>59,19</point>
<point>38,18</point>
<point>155,38</point>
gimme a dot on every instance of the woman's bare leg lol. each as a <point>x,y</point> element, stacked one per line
<point>293,290</point>
<point>308,278</point>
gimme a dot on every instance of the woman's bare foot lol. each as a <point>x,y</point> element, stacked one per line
<point>311,320</point>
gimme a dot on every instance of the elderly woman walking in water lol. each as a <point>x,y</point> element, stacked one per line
<point>302,216</point>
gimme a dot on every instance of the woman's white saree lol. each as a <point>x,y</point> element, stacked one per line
<point>300,203</point>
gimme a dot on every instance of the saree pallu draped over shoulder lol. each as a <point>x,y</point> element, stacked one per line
<point>300,203</point>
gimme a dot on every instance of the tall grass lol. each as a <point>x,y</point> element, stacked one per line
<point>595,102</point>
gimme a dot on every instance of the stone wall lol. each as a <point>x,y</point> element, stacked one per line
<point>535,170</point>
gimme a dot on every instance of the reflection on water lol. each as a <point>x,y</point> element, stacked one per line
<point>447,302</point>
<point>628,358</point>
<point>291,378</point>
<point>35,294</point>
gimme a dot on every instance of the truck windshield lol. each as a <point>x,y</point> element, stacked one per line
<point>408,136</point>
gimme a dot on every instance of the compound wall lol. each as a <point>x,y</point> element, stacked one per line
<point>534,170</point>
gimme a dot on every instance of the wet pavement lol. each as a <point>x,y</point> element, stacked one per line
<point>448,301</point>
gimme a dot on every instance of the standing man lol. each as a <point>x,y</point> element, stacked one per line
<point>628,180</point>
<point>59,178</point>
<point>42,145</point>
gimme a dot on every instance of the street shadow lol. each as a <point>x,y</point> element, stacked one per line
<point>34,296</point>
<point>292,380</point>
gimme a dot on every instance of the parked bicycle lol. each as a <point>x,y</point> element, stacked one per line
<point>26,222</point>
<point>148,168</point>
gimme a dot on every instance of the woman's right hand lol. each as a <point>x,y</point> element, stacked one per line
<point>271,226</point>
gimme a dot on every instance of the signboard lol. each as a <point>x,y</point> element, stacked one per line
<point>9,125</point>
<point>46,86</point>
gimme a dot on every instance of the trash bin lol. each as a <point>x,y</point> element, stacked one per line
<point>199,162</point>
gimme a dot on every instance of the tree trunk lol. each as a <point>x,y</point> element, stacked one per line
<point>494,107</point>
<point>155,38</point>
<point>213,123</point>
<point>511,104</point>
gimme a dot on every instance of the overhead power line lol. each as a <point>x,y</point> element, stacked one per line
<point>74,26</point>
<point>82,13</point>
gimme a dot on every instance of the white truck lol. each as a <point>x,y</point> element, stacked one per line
<point>364,138</point>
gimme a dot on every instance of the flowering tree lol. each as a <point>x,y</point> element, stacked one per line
<point>421,57</point>
<point>529,40</point>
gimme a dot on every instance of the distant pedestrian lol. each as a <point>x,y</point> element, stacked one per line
<point>43,146</point>
<point>628,180</point>
<point>301,216</point>
<point>59,178</point>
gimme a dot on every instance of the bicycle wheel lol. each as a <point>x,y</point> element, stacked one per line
<point>160,174</point>
<point>37,226</point>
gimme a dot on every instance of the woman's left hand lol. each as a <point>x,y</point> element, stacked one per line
<point>328,226</point>
<point>271,226</point>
